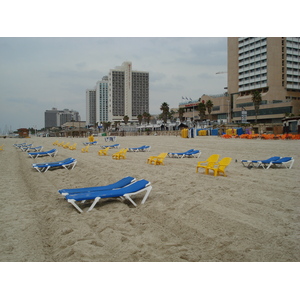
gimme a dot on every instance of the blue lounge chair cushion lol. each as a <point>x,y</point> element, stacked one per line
<point>134,187</point>
<point>119,184</point>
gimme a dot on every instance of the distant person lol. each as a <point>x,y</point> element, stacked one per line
<point>298,123</point>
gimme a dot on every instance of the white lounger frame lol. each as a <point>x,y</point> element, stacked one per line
<point>147,189</point>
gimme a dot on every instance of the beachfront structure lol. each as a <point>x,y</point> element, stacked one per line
<point>128,93</point>
<point>270,65</point>
<point>90,97</point>
<point>219,113</point>
<point>55,117</point>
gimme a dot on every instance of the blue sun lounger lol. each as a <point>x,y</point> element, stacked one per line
<point>284,161</point>
<point>119,184</point>
<point>68,163</point>
<point>258,163</point>
<point>180,154</point>
<point>111,146</point>
<point>195,153</point>
<point>90,143</point>
<point>33,149</point>
<point>142,148</point>
<point>51,152</point>
<point>123,193</point>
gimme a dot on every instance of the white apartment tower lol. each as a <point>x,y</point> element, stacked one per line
<point>90,96</point>
<point>128,93</point>
<point>102,100</point>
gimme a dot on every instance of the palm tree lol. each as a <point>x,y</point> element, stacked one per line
<point>126,119</point>
<point>140,118</point>
<point>202,109</point>
<point>147,117</point>
<point>256,98</point>
<point>181,113</point>
<point>209,105</point>
<point>165,111</point>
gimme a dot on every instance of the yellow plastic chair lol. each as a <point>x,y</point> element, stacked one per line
<point>66,145</point>
<point>73,147</point>
<point>120,154</point>
<point>1,148</point>
<point>60,144</point>
<point>103,151</point>
<point>220,166</point>
<point>210,162</point>
<point>55,143</point>
<point>157,160</point>
<point>85,149</point>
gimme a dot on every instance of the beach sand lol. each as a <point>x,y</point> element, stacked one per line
<point>252,215</point>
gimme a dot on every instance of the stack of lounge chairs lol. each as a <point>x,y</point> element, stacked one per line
<point>123,189</point>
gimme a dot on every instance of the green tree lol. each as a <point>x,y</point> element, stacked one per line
<point>209,105</point>
<point>126,119</point>
<point>202,109</point>
<point>256,98</point>
<point>147,117</point>
<point>165,111</point>
<point>181,113</point>
<point>140,119</point>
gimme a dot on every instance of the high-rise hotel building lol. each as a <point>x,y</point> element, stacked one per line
<point>270,65</point>
<point>128,93</point>
<point>124,92</point>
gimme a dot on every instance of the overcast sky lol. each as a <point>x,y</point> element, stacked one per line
<point>40,73</point>
<point>45,64</point>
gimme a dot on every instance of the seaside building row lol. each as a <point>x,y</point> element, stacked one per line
<point>270,65</point>
<point>124,92</point>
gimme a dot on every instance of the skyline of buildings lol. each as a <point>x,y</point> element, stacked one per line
<point>270,65</point>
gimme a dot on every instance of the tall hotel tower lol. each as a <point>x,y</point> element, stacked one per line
<point>128,93</point>
<point>270,65</point>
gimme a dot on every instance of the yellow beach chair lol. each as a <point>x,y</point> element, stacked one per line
<point>85,149</point>
<point>210,162</point>
<point>73,147</point>
<point>55,143</point>
<point>103,151</point>
<point>120,154</point>
<point>60,144</point>
<point>66,145</point>
<point>1,148</point>
<point>157,160</point>
<point>220,166</point>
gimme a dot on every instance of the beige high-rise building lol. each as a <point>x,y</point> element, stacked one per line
<point>270,65</point>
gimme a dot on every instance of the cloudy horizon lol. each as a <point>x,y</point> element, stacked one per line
<point>38,73</point>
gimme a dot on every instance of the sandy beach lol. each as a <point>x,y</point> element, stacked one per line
<point>252,215</point>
